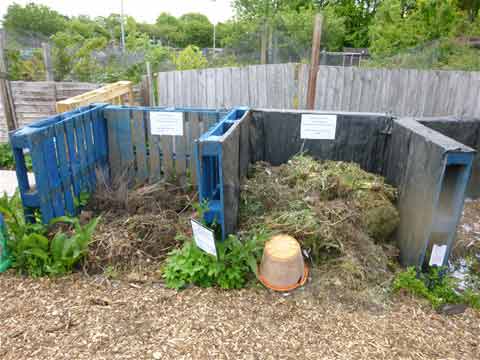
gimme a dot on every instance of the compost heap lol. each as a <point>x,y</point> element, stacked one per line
<point>138,225</point>
<point>342,214</point>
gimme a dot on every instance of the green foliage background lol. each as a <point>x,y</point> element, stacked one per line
<point>398,33</point>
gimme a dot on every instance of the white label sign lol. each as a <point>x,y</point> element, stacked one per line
<point>166,123</point>
<point>316,126</point>
<point>204,238</point>
<point>438,255</point>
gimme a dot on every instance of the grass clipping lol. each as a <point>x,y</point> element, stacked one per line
<point>341,213</point>
<point>138,225</point>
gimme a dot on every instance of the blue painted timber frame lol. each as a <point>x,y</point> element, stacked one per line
<point>209,158</point>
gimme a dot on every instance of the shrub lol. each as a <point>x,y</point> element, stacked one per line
<point>34,250</point>
<point>189,58</point>
<point>236,261</point>
<point>7,160</point>
<point>434,287</point>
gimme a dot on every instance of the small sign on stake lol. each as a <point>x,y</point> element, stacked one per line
<point>318,126</point>
<point>166,123</point>
<point>204,237</point>
<point>438,255</point>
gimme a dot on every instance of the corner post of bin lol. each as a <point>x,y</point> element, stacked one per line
<point>463,160</point>
<point>19,143</point>
<point>210,161</point>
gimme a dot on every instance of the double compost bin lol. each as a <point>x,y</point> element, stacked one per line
<point>428,160</point>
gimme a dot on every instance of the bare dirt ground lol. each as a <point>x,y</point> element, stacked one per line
<point>90,317</point>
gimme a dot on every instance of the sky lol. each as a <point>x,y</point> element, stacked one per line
<point>141,10</point>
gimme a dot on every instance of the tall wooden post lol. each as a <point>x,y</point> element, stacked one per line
<point>47,60</point>
<point>150,85</point>
<point>5,91</point>
<point>312,79</point>
<point>264,44</point>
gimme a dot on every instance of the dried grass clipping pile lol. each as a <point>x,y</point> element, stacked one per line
<point>342,213</point>
<point>139,224</point>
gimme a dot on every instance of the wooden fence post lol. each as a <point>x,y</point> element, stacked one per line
<point>47,60</point>
<point>144,91</point>
<point>150,85</point>
<point>5,90</point>
<point>312,79</point>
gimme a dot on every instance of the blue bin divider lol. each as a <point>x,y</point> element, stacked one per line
<point>209,157</point>
<point>66,150</point>
<point>136,154</point>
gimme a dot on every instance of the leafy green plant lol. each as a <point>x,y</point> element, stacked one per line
<point>434,287</point>
<point>236,261</point>
<point>190,58</point>
<point>7,161</point>
<point>30,246</point>
<point>67,250</point>
<point>82,200</point>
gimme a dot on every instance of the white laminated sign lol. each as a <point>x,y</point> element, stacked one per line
<point>438,255</point>
<point>318,126</point>
<point>166,123</point>
<point>204,238</point>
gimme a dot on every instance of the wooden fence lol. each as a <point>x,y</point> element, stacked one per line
<point>36,100</point>
<point>401,92</point>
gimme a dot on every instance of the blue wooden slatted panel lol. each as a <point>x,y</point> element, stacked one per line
<point>101,139</point>
<point>124,136</point>
<point>52,174</point>
<point>90,149</point>
<point>82,154</point>
<point>23,182</point>
<point>114,159</point>
<point>40,170</point>
<point>138,134</point>
<point>73,157</point>
<point>67,148</point>
<point>64,167</point>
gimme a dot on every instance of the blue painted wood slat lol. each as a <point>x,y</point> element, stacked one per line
<point>64,168</point>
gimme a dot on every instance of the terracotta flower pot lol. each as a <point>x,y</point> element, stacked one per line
<point>282,267</point>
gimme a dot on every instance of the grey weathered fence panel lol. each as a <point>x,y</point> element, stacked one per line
<point>402,92</point>
<point>36,100</point>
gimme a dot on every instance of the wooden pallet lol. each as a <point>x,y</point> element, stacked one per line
<point>119,93</point>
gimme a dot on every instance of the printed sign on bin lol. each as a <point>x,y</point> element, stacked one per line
<point>204,238</point>
<point>166,123</point>
<point>318,126</point>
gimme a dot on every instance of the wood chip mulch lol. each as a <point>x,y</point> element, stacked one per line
<point>80,317</point>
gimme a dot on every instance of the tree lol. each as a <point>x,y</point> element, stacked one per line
<point>189,58</point>
<point>357,15</point>
<point>63,53</point>
<point>397,28</point>
<point>471,6</point>
<point>169,28</point>
<point>298,25</point>
<point>152,30</point>
<point>86,27</point>
<point>33,18</point>
<point>196,30</point>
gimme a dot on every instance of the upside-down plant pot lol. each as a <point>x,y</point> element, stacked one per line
<point>282,267</point>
